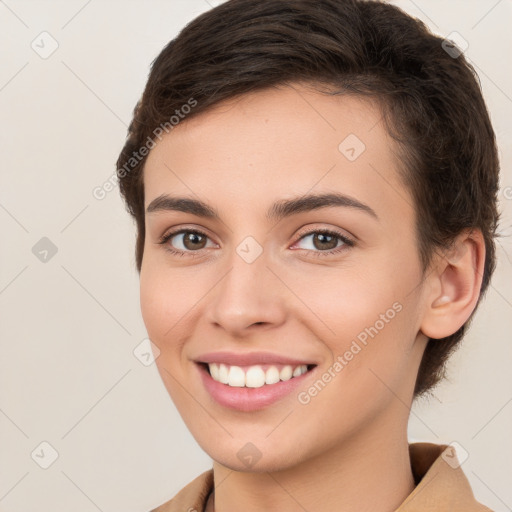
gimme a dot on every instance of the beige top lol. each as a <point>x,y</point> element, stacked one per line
<point>441,485</point>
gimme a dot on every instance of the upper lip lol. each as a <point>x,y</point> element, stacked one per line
<point>249,359</point>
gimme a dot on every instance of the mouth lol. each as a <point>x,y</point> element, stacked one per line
<point>254,376</point>
<point>252,387</point>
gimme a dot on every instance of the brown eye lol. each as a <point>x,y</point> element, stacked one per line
<point>185,241</point>
<point>193,240</point>
<point>324,242</point>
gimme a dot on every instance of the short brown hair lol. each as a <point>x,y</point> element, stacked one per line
<point>431,98</point>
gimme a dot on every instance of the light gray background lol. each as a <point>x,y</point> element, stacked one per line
<point>69,326</point>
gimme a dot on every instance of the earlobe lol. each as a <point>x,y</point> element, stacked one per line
<point>455,284</point>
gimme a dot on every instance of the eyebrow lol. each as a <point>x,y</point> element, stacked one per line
<point>278,211</point>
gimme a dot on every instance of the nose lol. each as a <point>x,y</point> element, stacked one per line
<point>250,296</point>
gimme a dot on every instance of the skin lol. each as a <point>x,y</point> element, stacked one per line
<point>347,449</point>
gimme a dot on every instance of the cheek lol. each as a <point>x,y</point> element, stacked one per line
<point>367,315</point>
<point>164,304</point>
<point>164,308</point>
<point>348,301</point>
<point>155,305</point>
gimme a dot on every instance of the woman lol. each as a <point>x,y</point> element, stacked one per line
<point>316,212</point>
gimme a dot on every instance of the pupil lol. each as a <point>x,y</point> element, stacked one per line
<point>192,238</point>
<point>324,240</point>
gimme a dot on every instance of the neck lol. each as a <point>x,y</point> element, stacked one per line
<point>370,472</point>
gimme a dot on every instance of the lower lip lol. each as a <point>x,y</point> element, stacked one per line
<point>249,399</point>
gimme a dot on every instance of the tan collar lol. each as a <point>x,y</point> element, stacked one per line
<point>441,485</point>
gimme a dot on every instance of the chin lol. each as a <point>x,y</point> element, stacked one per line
<point>257,456</point>
<point>270,464</point>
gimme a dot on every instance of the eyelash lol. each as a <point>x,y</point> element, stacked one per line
<point>347,242</point>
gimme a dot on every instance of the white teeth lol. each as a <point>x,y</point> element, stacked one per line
<point>272,375</point>
<point>286,373</point>
<point>223,374</point>
<point>255,376</point>
<point>236,377</point>
<point>214,370</point>
<point>300,370</point>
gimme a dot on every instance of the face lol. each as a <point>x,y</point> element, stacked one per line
<point>286,326</point>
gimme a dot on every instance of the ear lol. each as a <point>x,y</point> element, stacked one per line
<point>455,281</point>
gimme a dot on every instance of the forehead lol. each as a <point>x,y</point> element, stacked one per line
<point>279,142</point>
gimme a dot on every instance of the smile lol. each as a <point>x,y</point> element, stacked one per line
<point>251,382</point>
<point>255,376</point>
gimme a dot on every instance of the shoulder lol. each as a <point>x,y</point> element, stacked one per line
<point>192,497</point>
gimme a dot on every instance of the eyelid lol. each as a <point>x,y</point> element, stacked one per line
<point>343,234</point>
<point>348,241</point>
<point>171,233</point>
<point>175,230</point>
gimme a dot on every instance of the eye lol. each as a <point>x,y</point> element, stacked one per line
<point>325,242</point>
<point>322,242</point>
<point>186,241</point>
